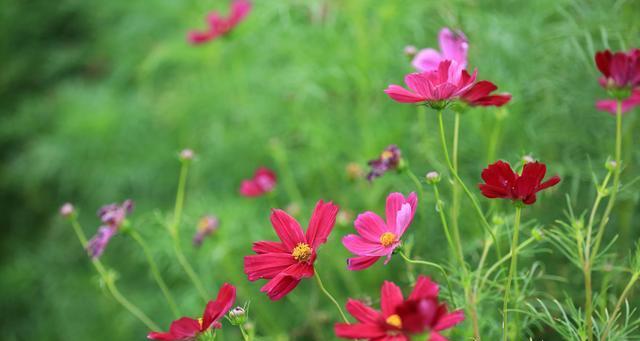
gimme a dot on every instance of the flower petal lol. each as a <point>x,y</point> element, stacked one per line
<point>269,247</point>
<point>449,320</point>
<point>424,288</point>
<point>368,331</point>
<point>216,309</point>
<point>361,247</point>
<point>362,312</point>
<point>280,286</point>
<point>287,228</point>
<point>427,60</point>
<point>361,263</point>
<point>402,95</point>
<point>322,221</point>
<point>390,298</point>
<point>370,226</point>
<point>267,265</point>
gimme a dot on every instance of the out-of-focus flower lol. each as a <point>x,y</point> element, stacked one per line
<point>377,238</point>
<point>263,181</point>
<point>293,209</point>
<point>186,155</point>
<point>345,217</point>
<point>480,95</point>
<point>187,328</point>
<point>354,171</point>
<point>433,177</point>
<point>453,46</point>
<point>611,105</point>
<point>399,318</point>
<point>388,160</point>
<point>621,78</point>
<point>502,182</point>
<point>287,262</point>
<point>435,88</point>
<point>410,51</point>
<point>206,226</point>
<point>218,25</point>
<point>67,210</point>
<point>112,216</point>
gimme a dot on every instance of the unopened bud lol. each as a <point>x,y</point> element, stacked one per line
<point>67,210</point>
<point>410,51</point>
<point>611,165</point>
<point>433,177</point>
<point>237,316</point>
<point>528,159</point>
<point>186,155</point>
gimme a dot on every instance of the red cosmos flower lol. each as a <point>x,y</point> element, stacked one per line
<point>502,182</point>
<point>219,26</point>
<point>187,328</point>
<point>480,95</point>
<point>399,319</point>
<point>446,83</point>
<point>263,181</point>
<point>611,105</point>
<point>619,70</point>
<point>285,263</point>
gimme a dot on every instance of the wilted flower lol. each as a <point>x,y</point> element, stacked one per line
<point>206,226</point>
<point>263,181</point>
<point>454,47</point>
<point>400,319</point>
<point>287,262</point>
<point>377,238</point>
<point>502,182</point>
<point>67,210</point>
<point>187,328</point>
<point>388,160</point>
<point>218,25</point>
<point>112,217</point>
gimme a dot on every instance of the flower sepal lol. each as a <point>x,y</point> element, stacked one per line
<point>209,335</point>
<point>619,94</point>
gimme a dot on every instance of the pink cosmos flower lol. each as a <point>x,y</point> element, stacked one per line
<point>611,105</point>
<point>187,328</point>
<point>480,95</point>
<point>218,25</point>
<point>263,181</point>
<point>400,319</point>
<point>449,81</point>
<point>287,262</point>
<point>454,47</point>
<point>112,216</point>
<point>377,238</point>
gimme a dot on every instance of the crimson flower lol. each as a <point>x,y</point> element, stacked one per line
<point>389,159</point>
<point>621,77</point>
<point>502,182</point>
<point>480,95</point>
<point>377,238</point>
<point>112,217</point>
<point>186,328</point>
<point>287,262</point>
<point>446,83</point>
<point>453,45</point>
<point>399,319</point>
<point>263,181</point>
<point>218,25</point>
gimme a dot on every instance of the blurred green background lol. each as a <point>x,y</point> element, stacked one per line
<point>97,98</point>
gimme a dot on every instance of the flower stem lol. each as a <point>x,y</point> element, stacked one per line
<point>623,297</point>
<point>416,182</point>
<point>470,195</point>
<point>437,266</point>
<point>110,283</point>
<point>512,271</point>
<point>324,290</point>
<point>157,276</point>
<point>175,231</point>
<point>455,201</point>
<point>455,247</point>
<point>245,336</point>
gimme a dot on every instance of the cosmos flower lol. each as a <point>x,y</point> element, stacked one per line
<point>453,46</point>
<point>436,87</point>
<point>502,182</point>
<point>388,160</point>
<point>287,262</point>
<point>480,95</point>
<point>112,216</point>
<point>218,25</point>
<point>611,105</point>
<point>621,78</point>
<point>206,226</point>
<point>377,238</point>
<point>263,181</point>
<point>400,319</point>
<point>186,328</point>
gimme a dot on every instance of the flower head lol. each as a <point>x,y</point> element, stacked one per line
<point>112,217</point>
<point>206,226</point>
<point>389,159</point>
<point>187,328</point>
<point>218,25</point>
<point>287,262</point>
<point>453,46</point>
<point>621,78</point>
<point>502,182</point>
<point>400,318</point>
<point>377,238</point>
<point>434,87</point>
<point>263,181</point>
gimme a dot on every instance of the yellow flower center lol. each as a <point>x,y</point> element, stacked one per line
<point>387,239</point>
<point>386,155</point>
<point>302,252</point>
<point>200,322</point>
<point>394,320</point>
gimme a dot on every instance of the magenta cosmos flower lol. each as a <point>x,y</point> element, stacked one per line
<point>218,25</point>
<point>112,216</point>
<point>263,181</point>
<point>621,77</point>
<point>377,238</point>
<point>453,46</point>
<point>186,328</point>
<point>400,319</point>
<point>287,262</point>
<point>435,88</point>
<point>502,182</point>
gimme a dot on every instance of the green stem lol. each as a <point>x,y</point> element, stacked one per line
<point>455,202</point>
<point>495,266</point>
<point>245,336</point>
<point>324,290</point>
<point>470,195</point>
<point>437,266</point>
<point>455,247</point>
<point>416,182</point>
<point>157,276</point>
<point>111,286</point>
<point>512,271</point>
<point>175,231</point>
<point>621,300</point>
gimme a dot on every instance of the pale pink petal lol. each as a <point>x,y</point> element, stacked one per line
<point>427,60</point>
<point>454,46</point>
<point>403,219</point>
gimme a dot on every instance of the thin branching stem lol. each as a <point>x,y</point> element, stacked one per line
<point>437,266</point>
<point>331,298</point>
<point>455,194</point>
<point>623,297</point>
<point>416,182</point>
<point>512,271</point>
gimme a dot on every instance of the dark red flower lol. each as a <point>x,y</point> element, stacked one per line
<point>388,160</point>
<point>263,181</point>
<point>502,182</point>
<point>186,328</point>
<point>218,25</point>
<point>480,95</point>
<point>399,319</point>
<point>287,262</point>
<point>620,69</point>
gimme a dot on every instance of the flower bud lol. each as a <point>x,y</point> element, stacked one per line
<point>528,159</point>
<point>67,210</point>
<point>410,51</point>
<point>611,165</point>
<point>237,316</point>
<point>433,177</point>
<point>186,155</point>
